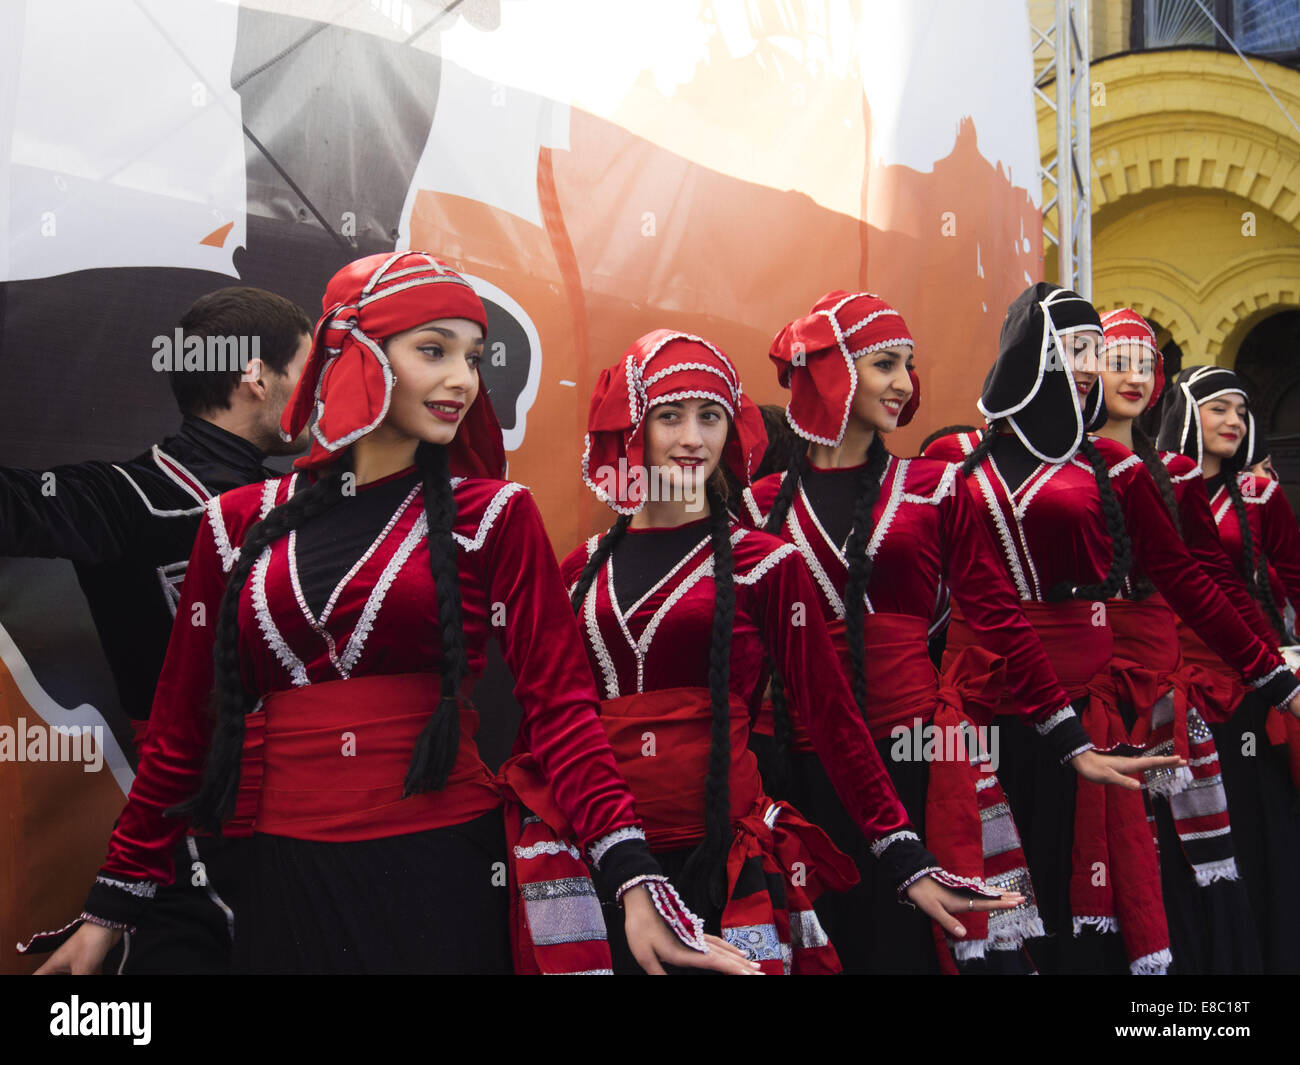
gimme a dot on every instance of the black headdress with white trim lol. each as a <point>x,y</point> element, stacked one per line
<point>1180,428</point>
<point>1031,386</point>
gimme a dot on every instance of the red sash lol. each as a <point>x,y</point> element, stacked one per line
<point>328,761</point>
<point>661,743</point>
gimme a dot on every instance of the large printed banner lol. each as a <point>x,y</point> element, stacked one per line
<point>597,168</point>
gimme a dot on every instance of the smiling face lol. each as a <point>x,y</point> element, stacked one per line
<point>686,438</point>
<point>1223,424</point>
<point>1081,350</point>
<point>435,378</point>
<point>884,387</point>
<point>1128,373</point>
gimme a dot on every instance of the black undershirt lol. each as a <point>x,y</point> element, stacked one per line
<point>833,494</point>
<point>1014,461</point>
<point>644,556</point>
<point>327,549</point>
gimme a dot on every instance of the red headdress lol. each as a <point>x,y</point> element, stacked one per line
<point>348,383</point>
<point>661,367</point>
<point>815,356</point>
<point>1126,326</point>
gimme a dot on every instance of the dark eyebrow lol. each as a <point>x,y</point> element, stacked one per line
<point>450,334</point>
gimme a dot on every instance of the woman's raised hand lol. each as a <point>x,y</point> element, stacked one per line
<point>1111,769</point>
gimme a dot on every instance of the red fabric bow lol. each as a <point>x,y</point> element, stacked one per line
<point>815,357</point>
<point>660,367</point>
<point>347,382</point>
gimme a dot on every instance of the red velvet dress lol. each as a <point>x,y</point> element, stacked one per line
<point>1051,530</point>
<point>652,663</point>
<point>343,697</point>
<point>927,536</point>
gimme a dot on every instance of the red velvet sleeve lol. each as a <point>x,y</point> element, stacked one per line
<point>553,681</point>
<point>1161,554</point>
<point>817,686</point>
<point>1202,538</point>
<point>991,607</point>
<point>180,726</point>
<point>1282,542</point>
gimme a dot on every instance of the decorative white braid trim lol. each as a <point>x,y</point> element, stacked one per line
<point>1210,834</point>
<point>1004,534</point>
<point>947,486</point>
<point>1269,676</point>
<point>141,889</point>
<point>1156,964</point>
<point>766,564</point>
<point>636,881</point>
<point>597,641</point>
<point>878,345</point>
<point>751,504</point>
<point>357,641</point>
<point>600,847</point>
<point>654,587</point>
<point>374,546</point>
<point>891,508</point>
<point>601,494</point>
<point>1021,508</point>
<point>1060,717</point>
<point>678,367</point>
<point>642,646</point>
<point>824,582</point>
<point>884,312</point>
<point>489,518</point>
<point>292,663</point>
<point>547,846</point>
<point>269,490</point>
<point>884,842</point>
<point>694,393</point>
<point>227,554</point>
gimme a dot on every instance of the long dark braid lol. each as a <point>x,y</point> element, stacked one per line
<point>1145,449</point>
<point>704,875</point>
<point>604,546</point>
<point>987,439</point>
<point>439,740</point>
<point>231,701</point>
<point>782,729</point>
<point>1121,558</point>
<point>860,566</point>
<point>1253,564</point>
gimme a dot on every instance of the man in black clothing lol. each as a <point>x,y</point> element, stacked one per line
<point>129,527</point>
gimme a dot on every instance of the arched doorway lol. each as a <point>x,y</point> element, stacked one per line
<point>1269,362</point>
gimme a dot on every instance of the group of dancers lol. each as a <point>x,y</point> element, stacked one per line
<point>727,757</point>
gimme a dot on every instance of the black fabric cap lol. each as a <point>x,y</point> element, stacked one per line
<point>1180,426</point>
<point>1030,385</point>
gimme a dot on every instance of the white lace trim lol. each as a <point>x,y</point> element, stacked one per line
<point>891,508</point>
<point>142,889</point>
<point>490,516</point>
<point>637,881</point>
<point>879,847</point>
<point>751,504</point>
<point>1061,716</point>
<point>653,588</point>
<point>547,846</point>
<point>1254,497</point>
<point>1257,684</point>
<point>1156,964</point>
<point>766,564</point>
<point>292,663</point>
<point>947,486</point>
<point>357,641</point>
<point>269,491</point>
<point>600,847</point>
<point>1004,534</point>
<point>884,312</point>
<point>857,353</point>
<point>374,546</point>
<point>642,646</point>
<point>824,582</point>
<point>597,641</point>
<point>217,520</point>
<point>695,393</point>
<point>1209,834</point>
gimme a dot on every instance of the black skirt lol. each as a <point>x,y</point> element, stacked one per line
<point>1265,829</point>
<point>426,902</point>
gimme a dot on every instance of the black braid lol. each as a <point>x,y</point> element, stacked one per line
<point>860,566</point>
<point>782,729</point>
<point>604,546</point>
<point>704,875</point>
<point>437,745</point>
<point>1121,559</point>
<point>1145,449</point>
<point>231,701</point>
<point>1253,564</point>
<point>980,453</point>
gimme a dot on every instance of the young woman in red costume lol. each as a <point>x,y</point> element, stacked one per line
<point>883,536</point>
<point>679,605</point>
<point>1210,924</point>
<point>1208,421</point>
<point>346,607</point>
<point>1063,525</point>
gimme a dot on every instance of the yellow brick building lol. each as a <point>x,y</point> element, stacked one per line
<point>1196,186</point>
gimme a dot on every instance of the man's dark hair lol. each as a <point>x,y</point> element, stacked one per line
<point>240,311</point>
